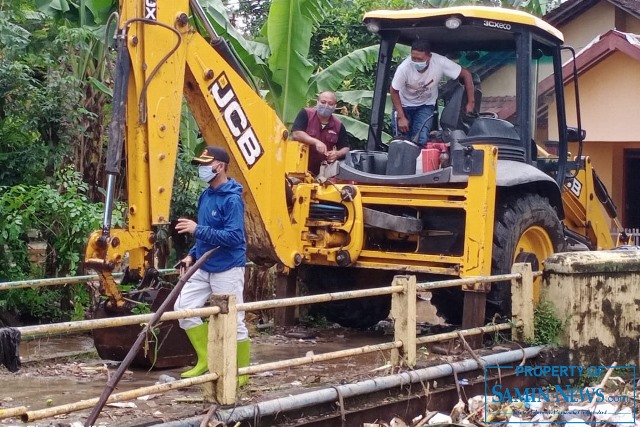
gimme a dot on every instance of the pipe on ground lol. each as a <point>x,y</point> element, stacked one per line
<point>284,404</point>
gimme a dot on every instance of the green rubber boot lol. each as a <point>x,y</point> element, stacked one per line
<point>244,357</point>
<point>199,337</point>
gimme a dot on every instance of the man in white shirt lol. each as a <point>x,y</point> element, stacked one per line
<point>414,91</point>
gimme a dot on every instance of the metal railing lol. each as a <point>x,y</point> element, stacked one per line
<point>220,384</point>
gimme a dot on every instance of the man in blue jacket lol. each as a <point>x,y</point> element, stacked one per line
<point>220,224</point>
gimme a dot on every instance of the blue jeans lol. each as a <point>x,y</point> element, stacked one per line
<point>420,121</point>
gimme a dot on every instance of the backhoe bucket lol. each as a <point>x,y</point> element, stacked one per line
<point>167,347</point>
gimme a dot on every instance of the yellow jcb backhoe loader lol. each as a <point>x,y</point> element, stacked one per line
<point>493,198</point>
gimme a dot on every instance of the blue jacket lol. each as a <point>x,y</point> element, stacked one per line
<point>221,223</point>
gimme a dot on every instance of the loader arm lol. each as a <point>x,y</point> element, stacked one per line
<point>165,59</point>
<point>587,211</point>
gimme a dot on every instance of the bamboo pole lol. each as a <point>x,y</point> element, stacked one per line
<point>88,325</point>
<point>403,313</point>
<point>425,286</point>
<point>472,331</point>
<point>59,281</point>
<point>386,290</point>
<point>12,412</point>
<point>366,349</point>
<point>118,397</point>
<point>312,299</point>
<point>113,381</point>
<point>318,358</point>
<point>161,388</point>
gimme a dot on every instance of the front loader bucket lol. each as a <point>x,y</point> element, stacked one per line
<point>168,347</point>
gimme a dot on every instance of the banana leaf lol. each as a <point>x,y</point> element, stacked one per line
<point>253,54</point>
<point>360,130</point>
<point>289,28</point>
<point>359,60</point>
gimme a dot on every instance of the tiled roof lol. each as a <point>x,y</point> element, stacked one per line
<point>601,47</point>
<point>501,105</point>
<point>571,9</point>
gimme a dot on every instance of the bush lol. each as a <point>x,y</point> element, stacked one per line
<point>64,217</point>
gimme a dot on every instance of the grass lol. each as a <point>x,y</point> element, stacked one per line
<point>547,326</point>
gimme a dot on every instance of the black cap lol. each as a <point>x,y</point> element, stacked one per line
<point>210,154</point>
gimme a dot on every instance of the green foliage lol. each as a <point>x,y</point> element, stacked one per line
<point>288,29</point>
<point>85,11</point>
<point>64,217</point>
<point>343,52</point>
<point>186,186</point>
<point>39,98</point>
<point>253,15</point>
<point>62,213</point>
<point>35,303</point>
<point>141,308</point>
<point>547,326</point>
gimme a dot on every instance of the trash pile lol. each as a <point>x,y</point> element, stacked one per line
<point>538,407</point>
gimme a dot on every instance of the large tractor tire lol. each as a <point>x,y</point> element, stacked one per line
<point>353,313</point>
<point>526,229</point>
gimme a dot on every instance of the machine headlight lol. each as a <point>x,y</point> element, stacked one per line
<point>452,23</point>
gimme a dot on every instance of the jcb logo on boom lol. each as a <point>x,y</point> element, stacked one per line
<point>236,120</point>
<point>574,186</point>
<point>150,9</point>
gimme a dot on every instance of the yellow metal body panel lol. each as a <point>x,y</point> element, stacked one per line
<point>476,198</point>
<point>482,12</point>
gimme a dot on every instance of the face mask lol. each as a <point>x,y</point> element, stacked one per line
<point>420,65</point>
<point>206,174</point>
<point>325,110</point>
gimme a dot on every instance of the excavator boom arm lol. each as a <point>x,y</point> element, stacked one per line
<point>167,61</point>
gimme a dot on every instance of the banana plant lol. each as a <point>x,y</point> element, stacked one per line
<point>278,57</point>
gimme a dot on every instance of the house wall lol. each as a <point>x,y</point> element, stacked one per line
<point>578,33</point>
<point>602,159</point>
<point>596,20</point>
<point>501,82</point>
<point>632,25</point>
<point>608,111</point>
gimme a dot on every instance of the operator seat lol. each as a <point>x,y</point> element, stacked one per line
<point>453,116</point>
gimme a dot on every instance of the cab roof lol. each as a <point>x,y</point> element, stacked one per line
<point>481,26</point>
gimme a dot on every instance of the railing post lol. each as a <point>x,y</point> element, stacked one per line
<point>222,351</point>
<point>403,312</point>
<point>522,301</point>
